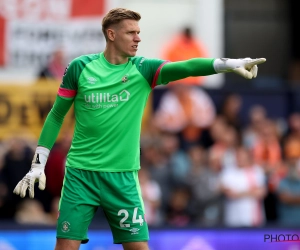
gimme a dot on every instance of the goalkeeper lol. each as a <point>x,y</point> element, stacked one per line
<point>109,91</point>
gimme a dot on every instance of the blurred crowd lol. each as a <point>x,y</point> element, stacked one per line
<point>222,172</point>
<point>200,166</point>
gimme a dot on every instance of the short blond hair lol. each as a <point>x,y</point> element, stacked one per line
<point>116,15</point>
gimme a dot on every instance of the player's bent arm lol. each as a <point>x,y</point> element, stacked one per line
<point>47,138</point>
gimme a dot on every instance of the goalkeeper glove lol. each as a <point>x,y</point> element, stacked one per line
<point>245,67</point>
<point>35,174</point>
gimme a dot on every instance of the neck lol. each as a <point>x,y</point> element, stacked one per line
<point>113,57</point>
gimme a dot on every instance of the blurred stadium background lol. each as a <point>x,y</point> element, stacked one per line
<point>220,155</point>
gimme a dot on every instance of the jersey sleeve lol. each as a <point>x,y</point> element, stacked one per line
<point>64,100</point>
<point>68,87</point>
<point>150,68</point>
<point>193,67</point>
<point>54,122</point>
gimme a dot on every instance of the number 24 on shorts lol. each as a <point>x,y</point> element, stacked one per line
<point>134,217</point>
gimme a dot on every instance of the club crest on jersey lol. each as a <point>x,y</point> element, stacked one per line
<point>125,78</point>
<point>65,226</point>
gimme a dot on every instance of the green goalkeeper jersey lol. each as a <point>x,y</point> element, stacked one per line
<point>109,102</point>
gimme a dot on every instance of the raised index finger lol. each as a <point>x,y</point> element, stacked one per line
<point>255,62</point>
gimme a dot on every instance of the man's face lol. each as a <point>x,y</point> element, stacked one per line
<point>127,37</point>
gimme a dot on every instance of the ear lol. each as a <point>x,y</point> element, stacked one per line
<point>111,34</point>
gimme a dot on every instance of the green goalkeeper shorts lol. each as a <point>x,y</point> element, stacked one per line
<point>118,194</point>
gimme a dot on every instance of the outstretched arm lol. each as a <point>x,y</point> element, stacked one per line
<point>194,67</point>
<point>173,71</point>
